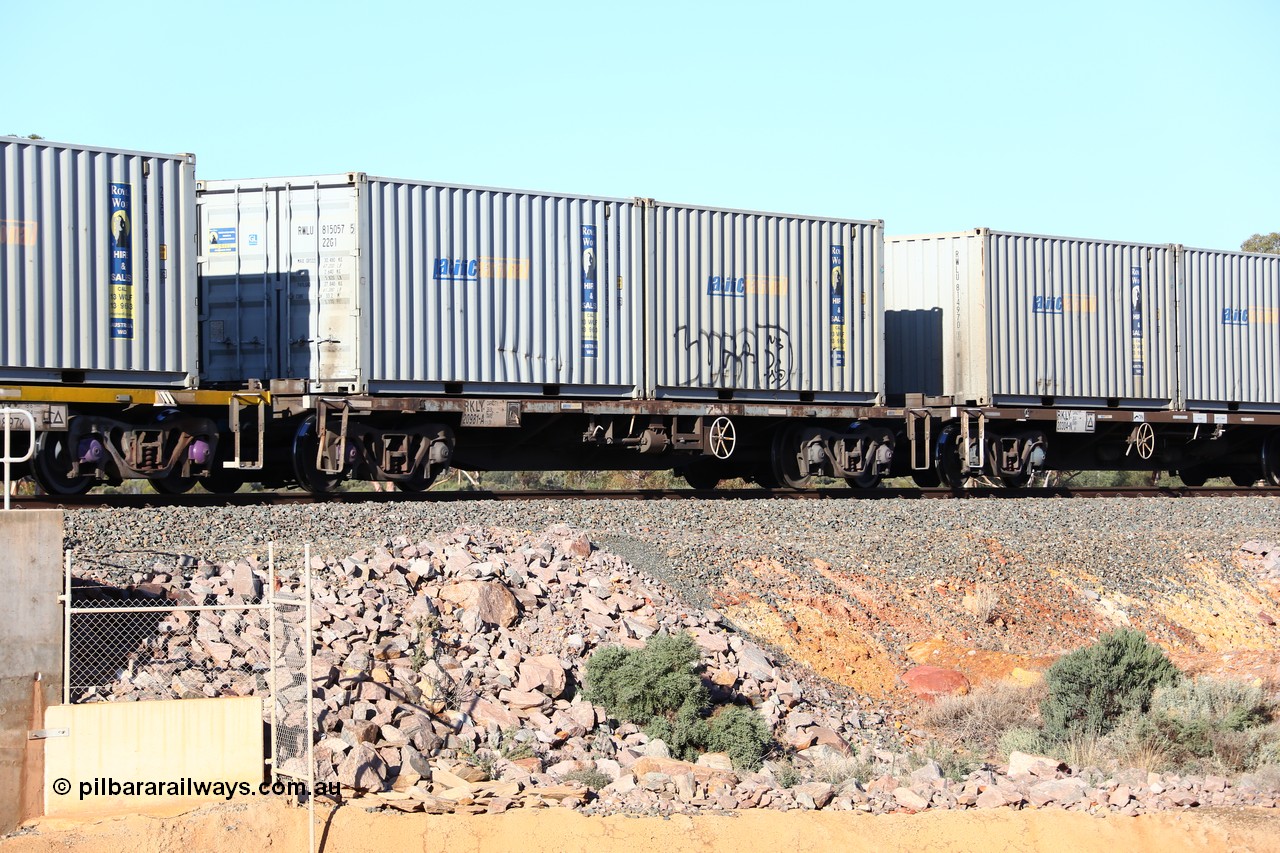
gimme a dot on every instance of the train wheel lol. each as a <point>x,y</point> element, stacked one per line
<point>416,483</point>
<point>222,482</point>
<point>947,460</point>
<point>863,481</point>
<point>786,459</point>
<point>1271,459</point>
<point>1015,481</point>
<point>52,463</point>
<point>700,475</point>
<point>306,445</point>
<point>1244,479</point>
<point>927,479</point>
<point>173,484</point>
<point>1193,477</point>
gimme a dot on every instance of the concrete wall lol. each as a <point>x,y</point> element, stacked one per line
<point>172,747</point>
<point>31,578</point>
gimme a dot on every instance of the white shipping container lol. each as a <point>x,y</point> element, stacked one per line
<point>764,306</point>
<point>98,265</point>
<point>386,286</point>
<point>995,318</point>
<point>1230,330</point>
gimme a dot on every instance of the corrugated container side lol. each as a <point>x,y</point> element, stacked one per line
<point>762,306</point>
<point>98,258</point>
<point>280,279</point>
<point>502,291</point>
<point>928,317</point>
<point>388,286</point>
<point>1230,330</point>
<point>1081,321</point>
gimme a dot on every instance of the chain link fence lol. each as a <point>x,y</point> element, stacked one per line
<point>197,630</point>
<point>191,631</point>
<point>292,714</point>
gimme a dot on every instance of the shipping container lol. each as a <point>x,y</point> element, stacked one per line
<point>1229,328</point>
<point>996,318</point>
<point>762,306</point>
<point>98,260</point>
<point>375,285</point>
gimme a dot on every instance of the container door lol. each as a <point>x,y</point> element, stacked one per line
<point>320,272</point>
<point>237,285</point>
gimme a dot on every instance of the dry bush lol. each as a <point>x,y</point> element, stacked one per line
<point>982,602</point>
<point>837,771</point>
<point>976,721</point>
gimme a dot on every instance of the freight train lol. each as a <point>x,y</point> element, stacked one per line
<point>303,331</point>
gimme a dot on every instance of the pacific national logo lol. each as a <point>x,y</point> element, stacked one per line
<point>1068,303</point>
<point>481,269</point>
<point>1254,315</point>
<point>746,285</point>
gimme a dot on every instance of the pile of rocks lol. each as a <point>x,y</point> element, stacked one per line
<point>446,678</point>
<point>471,646</point>
<point>1263,557</point>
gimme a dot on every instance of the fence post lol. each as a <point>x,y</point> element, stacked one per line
<point>271,622</point>
<point>66,633</point>
<point>311,710</point>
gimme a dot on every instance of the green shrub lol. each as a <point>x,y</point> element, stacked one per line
<point>1220,704</point>
<point>1269,749</point>
<point>1198,726</point>
<point>1092,688</point>
<point>593,778</point>
<point>658,687</point>
<point>639,685</point>
<point>742,733</point>
<point>1022,739</point>
<point>685,732</point>
<point>786,774</point>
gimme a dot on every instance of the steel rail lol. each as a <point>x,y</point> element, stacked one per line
<point>199,499</point>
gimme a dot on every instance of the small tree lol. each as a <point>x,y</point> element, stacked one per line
<point>1092,688</point>
<point>1268,243</point>
<point>742,733</point>
<point>658,687</point>
<point>638,685</point>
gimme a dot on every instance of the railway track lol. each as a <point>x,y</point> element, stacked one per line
<point>200,499</point>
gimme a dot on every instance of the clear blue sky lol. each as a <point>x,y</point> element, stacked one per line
<point>1141,121</point>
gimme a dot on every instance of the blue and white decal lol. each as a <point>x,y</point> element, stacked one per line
<point>726,285</point>
<point>456,269</point>
<point>838,340</point>
<point>222,239</point>
<point>1135,320</point>
<point>590,307</point>
<point>1046,305</point>
<point>120,234</point>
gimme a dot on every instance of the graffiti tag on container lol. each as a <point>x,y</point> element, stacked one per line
<point>739,359</point>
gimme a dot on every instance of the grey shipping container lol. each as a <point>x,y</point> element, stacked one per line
<point>1229,327</point>
<point>98,259</point>
<point>995,318</point>
<point>765,306</point>
<point>375,285</point>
